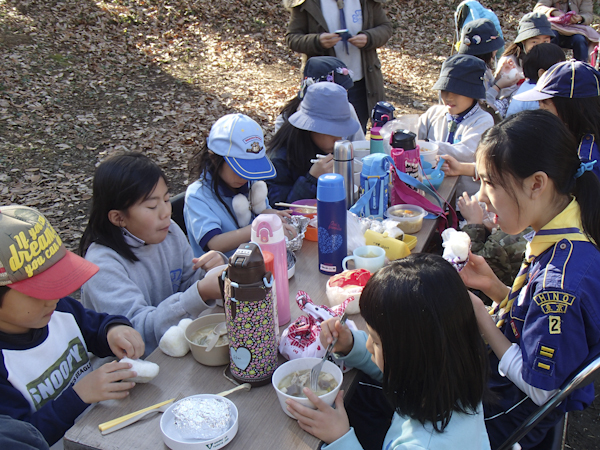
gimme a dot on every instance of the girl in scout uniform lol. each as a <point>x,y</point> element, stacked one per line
<point>542,329</point>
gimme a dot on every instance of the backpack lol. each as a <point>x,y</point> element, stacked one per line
<point>470,10</point>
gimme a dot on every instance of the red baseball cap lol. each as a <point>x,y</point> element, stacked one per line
<point>33,259</point>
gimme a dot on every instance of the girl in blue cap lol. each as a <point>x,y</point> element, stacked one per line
<point>571,91</point>
<point>147,270</point>
<point>302,149</point>
<point>229,192</point>
<point>548,324</point>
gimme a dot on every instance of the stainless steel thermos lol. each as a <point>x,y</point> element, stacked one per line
<point>343,163</point>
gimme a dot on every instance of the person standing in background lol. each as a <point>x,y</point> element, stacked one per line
<point>312,31</point>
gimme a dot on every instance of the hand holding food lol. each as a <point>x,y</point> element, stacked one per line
<point>106,383</point>
<point>123,340</point>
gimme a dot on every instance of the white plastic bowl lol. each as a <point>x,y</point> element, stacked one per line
<point>361,148</point>
<point>175,441</point>
<point>429,151</point>
<point>302,364</point>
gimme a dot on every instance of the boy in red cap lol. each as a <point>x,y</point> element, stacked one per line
<point>45,374</point>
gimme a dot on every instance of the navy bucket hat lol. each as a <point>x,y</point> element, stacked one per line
<point>325,68</point>
<point>480,37</point>
<point>462,74</point>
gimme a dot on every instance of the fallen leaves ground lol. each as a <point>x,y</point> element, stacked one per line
<point>81,79</point>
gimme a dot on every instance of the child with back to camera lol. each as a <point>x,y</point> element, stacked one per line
<point>229,192</point>
<point>302,149</point>
<point>45,374</point>
<point>316,70</point>
<point>147,270</point>
<point>457,125</point>
<point>424,345</point>
<point>539,59</point>
<point>548,324</point>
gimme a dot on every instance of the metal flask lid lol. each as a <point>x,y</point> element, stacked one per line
<point>404,139</point>
<point>343,151</point>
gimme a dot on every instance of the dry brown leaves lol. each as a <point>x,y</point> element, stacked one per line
<point>82,79</point>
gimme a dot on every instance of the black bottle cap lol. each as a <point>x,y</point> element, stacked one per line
<point>404,139</point>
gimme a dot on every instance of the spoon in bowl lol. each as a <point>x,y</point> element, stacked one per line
<point>219,330</point>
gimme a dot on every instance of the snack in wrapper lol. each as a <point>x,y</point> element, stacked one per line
<point>202,418</point>
<point>456,247</point>
<point>349,283</point>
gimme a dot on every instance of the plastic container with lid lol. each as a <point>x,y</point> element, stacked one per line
<point>409,217</point>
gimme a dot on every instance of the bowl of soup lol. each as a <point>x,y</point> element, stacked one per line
<point>197,335</point>
<point>292,376</point>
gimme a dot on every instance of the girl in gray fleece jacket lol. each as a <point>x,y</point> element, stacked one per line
<point>147,269</point>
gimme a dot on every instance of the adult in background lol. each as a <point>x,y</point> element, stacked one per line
<point>311,30</point>
<point>569,22</point>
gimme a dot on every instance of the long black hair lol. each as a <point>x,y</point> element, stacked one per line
<point>299,144</point>
<point>435,362</point>
<point>532,141</point>
<point>580,115</point>
<point>205,162</point>
<point>120,182</point>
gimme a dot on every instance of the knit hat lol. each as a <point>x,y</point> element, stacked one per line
<point>325,68</point>
<point>462,74</point>
<point>33,259</point>
<point>240,140</point>
<point>569,79</point>
<point>325,109</point>
<point>533,24</point>
<point>480,37</point>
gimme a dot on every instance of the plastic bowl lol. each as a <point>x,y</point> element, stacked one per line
<point>299,212</point>
<point>219,355</point>
<point>173,439</point>
<point>302,364</point>
<point>361,149</point>
<point>433,178</point>
<point>429,151</point>
<point>410,224</point>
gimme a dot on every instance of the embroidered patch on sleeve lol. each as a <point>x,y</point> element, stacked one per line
<point>554,302</point>
<point>543,366</point>
<point>554,324</point>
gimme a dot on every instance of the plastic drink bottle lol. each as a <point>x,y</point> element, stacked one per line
<point>376,142</point>
<point>270,267</point>
<point>331,216</point>
<point>268,233</point>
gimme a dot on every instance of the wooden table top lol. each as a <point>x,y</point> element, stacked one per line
<point>262,423</point>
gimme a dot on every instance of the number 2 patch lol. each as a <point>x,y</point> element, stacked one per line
<point>554,324</point>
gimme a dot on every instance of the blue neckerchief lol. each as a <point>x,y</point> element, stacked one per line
<point>454,122</point>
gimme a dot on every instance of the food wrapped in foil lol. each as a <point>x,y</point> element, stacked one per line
<point>202,418</point>
<point>300,223</point>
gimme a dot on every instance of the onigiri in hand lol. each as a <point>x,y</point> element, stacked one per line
<point>146,370</point>
<point>456,247</point>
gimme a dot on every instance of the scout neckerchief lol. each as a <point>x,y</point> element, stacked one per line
<point>454,122</point>
<point>566,225</point>
<point>340,5</point>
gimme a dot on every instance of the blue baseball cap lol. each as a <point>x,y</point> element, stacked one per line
<point>568,79</point>
<point>240,140</point>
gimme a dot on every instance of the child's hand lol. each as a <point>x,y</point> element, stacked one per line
<point>323,165</point>
<point>470,209</point>
<point>360,40</point>
<point>280,212</point>
<point>125,341</point>
<point>105,383</point>
<point>477,274</point>
<point>331,329</point>
<point>328,40</point>
<point>453,168</point>
<point>208,287</point>
<point>209,261</point>
<point>324,423</point>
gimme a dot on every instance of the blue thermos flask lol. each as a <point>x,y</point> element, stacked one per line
<point>331,217</point>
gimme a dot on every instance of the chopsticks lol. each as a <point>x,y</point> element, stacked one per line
<point>290,205</point>
<point>113,423</point>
